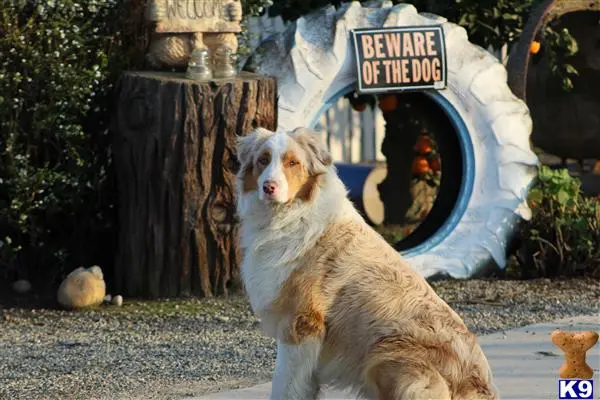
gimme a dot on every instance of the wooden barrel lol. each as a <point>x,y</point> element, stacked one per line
<point>361,180</point>
<point>567,124</point>
<point>564,123</point>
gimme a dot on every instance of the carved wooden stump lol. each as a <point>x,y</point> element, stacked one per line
<point>175,161</point>
<point>564,123</point>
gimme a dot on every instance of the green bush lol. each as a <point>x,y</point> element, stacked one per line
<point>58,62</point>
<point>563,236</point>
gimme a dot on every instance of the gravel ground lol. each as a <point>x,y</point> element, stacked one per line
<point>175,349</point>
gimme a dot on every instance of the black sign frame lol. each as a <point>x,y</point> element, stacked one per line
<point>392,87</point>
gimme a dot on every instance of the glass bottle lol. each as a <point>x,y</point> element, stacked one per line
<point>199,66</point>
<point>224,62</point>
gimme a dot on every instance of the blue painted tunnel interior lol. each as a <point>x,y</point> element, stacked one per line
<point>352,176</point>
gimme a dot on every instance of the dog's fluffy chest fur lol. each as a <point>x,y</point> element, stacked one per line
<point>263,280</point>
<point>274,240</point>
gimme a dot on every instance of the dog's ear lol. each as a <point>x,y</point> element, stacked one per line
<point>246,145</point>
<point>319,156</point>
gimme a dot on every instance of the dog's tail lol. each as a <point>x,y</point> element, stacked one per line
<point>479,385</point>
<point>404,380</point>
<point>476,389</point>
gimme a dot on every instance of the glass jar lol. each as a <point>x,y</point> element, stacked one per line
<point>223,61</point>
<point>199,66</point>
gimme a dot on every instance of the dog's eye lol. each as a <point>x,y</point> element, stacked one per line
<point>263,161</point>
<point>292,163</point>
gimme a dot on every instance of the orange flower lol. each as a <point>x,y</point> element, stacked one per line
<point>423,145</point>
<point>436,164</point>
<point>535,46</point>
<point>420,166</point>
<point>360,107</point>
<point>388,103</point>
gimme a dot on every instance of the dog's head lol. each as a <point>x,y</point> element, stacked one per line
<point>281,166</point>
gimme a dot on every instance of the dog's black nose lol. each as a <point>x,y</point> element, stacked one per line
<point>269,187</point>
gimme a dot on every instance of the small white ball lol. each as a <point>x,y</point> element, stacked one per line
<point>21,286</point>
<point>117,300</point>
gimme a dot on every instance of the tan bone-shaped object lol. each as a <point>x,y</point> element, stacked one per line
<point>575,345</point>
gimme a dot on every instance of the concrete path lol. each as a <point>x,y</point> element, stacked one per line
<point>524,361</point>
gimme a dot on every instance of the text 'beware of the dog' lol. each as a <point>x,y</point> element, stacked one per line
<point>409,58</point>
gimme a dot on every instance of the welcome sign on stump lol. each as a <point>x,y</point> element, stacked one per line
<point>175,160</point>
<point>192,15</point>
<point>180,26</point>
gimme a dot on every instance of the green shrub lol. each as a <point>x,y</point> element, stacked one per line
<point>563,236</point>
<point>56,205</point>
<point>59,62</point>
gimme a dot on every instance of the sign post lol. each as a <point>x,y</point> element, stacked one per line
<point>400,58</point>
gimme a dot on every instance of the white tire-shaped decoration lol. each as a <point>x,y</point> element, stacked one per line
<point>314,62</point>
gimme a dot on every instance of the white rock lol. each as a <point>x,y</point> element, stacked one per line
<point>107,298</point>
<point>21,286</point>
<point>117,300</point>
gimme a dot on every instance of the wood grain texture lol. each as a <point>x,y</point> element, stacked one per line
<point>175,160</point>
